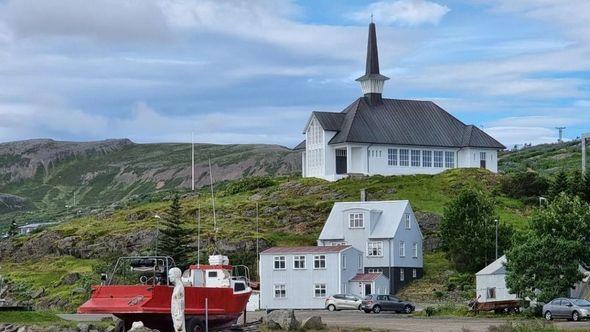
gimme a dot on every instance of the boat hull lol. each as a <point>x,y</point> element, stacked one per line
<point>151,304</point>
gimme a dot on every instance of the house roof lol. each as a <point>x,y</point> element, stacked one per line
<point>305,250</point>
<point>496,267</point>
<point>389,215</point>
<point>366,277</point>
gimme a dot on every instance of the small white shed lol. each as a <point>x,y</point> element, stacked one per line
<point>491,282</point>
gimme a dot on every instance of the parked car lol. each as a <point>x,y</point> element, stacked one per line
<point>343,302</point>
<point>574,309</point>
<point>377,303</point>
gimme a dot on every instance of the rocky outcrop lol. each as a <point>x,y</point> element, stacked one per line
<point>429,225</point>
<point>282,319</point>
<point>10,203</point>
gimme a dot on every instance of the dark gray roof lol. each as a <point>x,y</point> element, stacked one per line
<point>372,65</point>
<point>300,146</point>
<point>402,122</point>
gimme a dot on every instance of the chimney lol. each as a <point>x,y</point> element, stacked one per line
<point>363,195</point>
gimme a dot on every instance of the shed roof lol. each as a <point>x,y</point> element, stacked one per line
<point>305,250</point>
<point>366,276</point>
<point>496,267</point>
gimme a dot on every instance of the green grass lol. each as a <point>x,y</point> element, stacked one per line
<point>39,318</point>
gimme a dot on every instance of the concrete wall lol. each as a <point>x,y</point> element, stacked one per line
<point>483,282</point>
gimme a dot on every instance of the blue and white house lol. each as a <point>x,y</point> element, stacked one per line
<point>364,248</point>
<point>376,135</point>
<point>387,233</point>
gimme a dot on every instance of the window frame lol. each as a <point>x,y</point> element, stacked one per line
<point>297,258</point>
<point>408,221</point>
<point>449,162</point>
<point>414,273</point>
<point>415,158</point>
<point>343,261</point>
<point>427,162</point>
<point>405,162</point>
<point>277,259</point>
<point>491,293</point>
<point>402,249</point>
<point>316,288</point>
<point>415,250</point>
<point>318,258</point>
<point>402,274</point>
<point>371,245</point>
<point>438,163</point>
<point>282,289</point>
<point>392,156</point>
<point>356,220</point>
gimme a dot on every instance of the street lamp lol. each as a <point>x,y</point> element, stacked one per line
<point>157,217</point>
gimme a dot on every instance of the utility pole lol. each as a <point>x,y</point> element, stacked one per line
<point>560,129</point>
<point>193,161</point>
<point>157,217</point>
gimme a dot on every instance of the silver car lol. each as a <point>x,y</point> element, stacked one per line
<point>343,302</point>
<point>574,309</point>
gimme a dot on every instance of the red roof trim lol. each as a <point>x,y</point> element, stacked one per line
<point>211,267</point>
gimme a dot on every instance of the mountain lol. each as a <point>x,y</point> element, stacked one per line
<point>50,177</point>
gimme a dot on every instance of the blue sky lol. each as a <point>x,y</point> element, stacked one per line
<point>252,71</point>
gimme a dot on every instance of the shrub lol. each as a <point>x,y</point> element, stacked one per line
<point>524,184</point>
<point>248,184</point>
<point>429,311</point>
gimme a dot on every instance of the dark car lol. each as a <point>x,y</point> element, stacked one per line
<point>574,309</point>
<point>377,303</point>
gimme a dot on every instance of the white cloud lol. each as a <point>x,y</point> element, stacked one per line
<point>403,12</point>
<point>536,121</point>
<point>514,135</point>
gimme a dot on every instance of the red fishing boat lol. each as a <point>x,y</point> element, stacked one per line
<point>139,290</point>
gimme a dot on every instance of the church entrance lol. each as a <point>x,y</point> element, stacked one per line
<point>341,167</point>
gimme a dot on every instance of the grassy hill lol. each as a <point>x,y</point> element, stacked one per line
<point>292,212</point>
<point>544,158</point>
<point>50,180</point>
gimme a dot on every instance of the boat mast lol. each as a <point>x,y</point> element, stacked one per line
<point>199,233</point>
<point>213,203</point>
<point>193,161</point>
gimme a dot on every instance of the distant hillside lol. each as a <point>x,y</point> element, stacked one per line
<point>543,158</point>
<point>49,175</point>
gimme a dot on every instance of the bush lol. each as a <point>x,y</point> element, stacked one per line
<point>429,311</point>
<point>247,184</point>
<point>439,294</point>
<point>524,184</point>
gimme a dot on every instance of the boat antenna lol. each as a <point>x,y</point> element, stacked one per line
<point>213,202</point>
<point>193,161</point>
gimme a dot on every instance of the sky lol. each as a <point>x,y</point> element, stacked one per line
<point>252,71</point>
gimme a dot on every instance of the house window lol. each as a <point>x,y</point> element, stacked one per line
<point>402,249</point>
<point>319,290</point>
<point>449,159</point>
<point>392,157</point>
<point>408,220</point>
<point>415,250</point>
<point>375,249</point>
<point>280,263</point>
<point>416,158</point>
<point>438,159</point>
<point>299,262</point>
<point>426,158</point>
<point>414,273</point>
<point>360,262</point>
<point>355,220</point>
<point>404,157</point>
<point>280,291</point>
<point>374,270</point>
<point>319,262</point>
<point>482,156</point>
<point>491,292</point>
<point>344,262</point>
<point>402,276</point>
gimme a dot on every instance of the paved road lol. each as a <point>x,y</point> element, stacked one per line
<point>398,322</point>
<point>383,321</point>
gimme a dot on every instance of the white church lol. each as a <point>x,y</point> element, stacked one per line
<point>375,135</point>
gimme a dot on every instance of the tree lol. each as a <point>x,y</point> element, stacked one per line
<point>468,231</point>
<point>174,236</point>
<point>545,264</point>
<point>575,183</point>
<point>586,187</point>
<point>524,184</point>
<point>559,184</point>
<point>13,229</point>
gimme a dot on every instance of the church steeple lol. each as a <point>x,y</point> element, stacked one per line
<point>372,82</point>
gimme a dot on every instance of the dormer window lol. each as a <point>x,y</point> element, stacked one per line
<point>408,220</point>
<point>356,220</point>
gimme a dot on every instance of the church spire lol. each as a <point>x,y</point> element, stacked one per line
<point>372,81</point>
